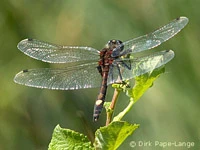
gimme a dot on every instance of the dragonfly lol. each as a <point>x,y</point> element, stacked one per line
<point>87,67</point>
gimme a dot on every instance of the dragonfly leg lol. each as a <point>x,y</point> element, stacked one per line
<point>120,75</point>
<point>128,66</point>
<point>111,73</point>
<point>120,70</point>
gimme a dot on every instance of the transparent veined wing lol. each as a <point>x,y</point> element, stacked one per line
<point>76,77</point>
<point>130,68</point>
<point>153,39</point>
<point>52,53</point>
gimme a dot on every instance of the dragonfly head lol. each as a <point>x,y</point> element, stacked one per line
<point>116,45</point>
<point>112,44</point>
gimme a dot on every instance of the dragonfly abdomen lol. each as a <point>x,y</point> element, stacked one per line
<point>101,96</point>
<point>104,65</point>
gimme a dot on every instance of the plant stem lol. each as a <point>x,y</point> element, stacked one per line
<point>125,111</point>
<point>112,106</point>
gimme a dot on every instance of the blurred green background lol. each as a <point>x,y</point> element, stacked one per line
<point>169,111</point>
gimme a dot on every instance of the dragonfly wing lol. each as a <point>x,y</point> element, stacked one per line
<point>155,38</point>
<point>77,77</point>
<point>130,68</point>
<point>52,53</point>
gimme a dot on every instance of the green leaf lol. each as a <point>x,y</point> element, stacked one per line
<point>110,137</point>
<point>144,82</point>
<point>66,139</point>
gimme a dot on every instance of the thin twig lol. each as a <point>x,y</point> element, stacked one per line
<point>112,106</point>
